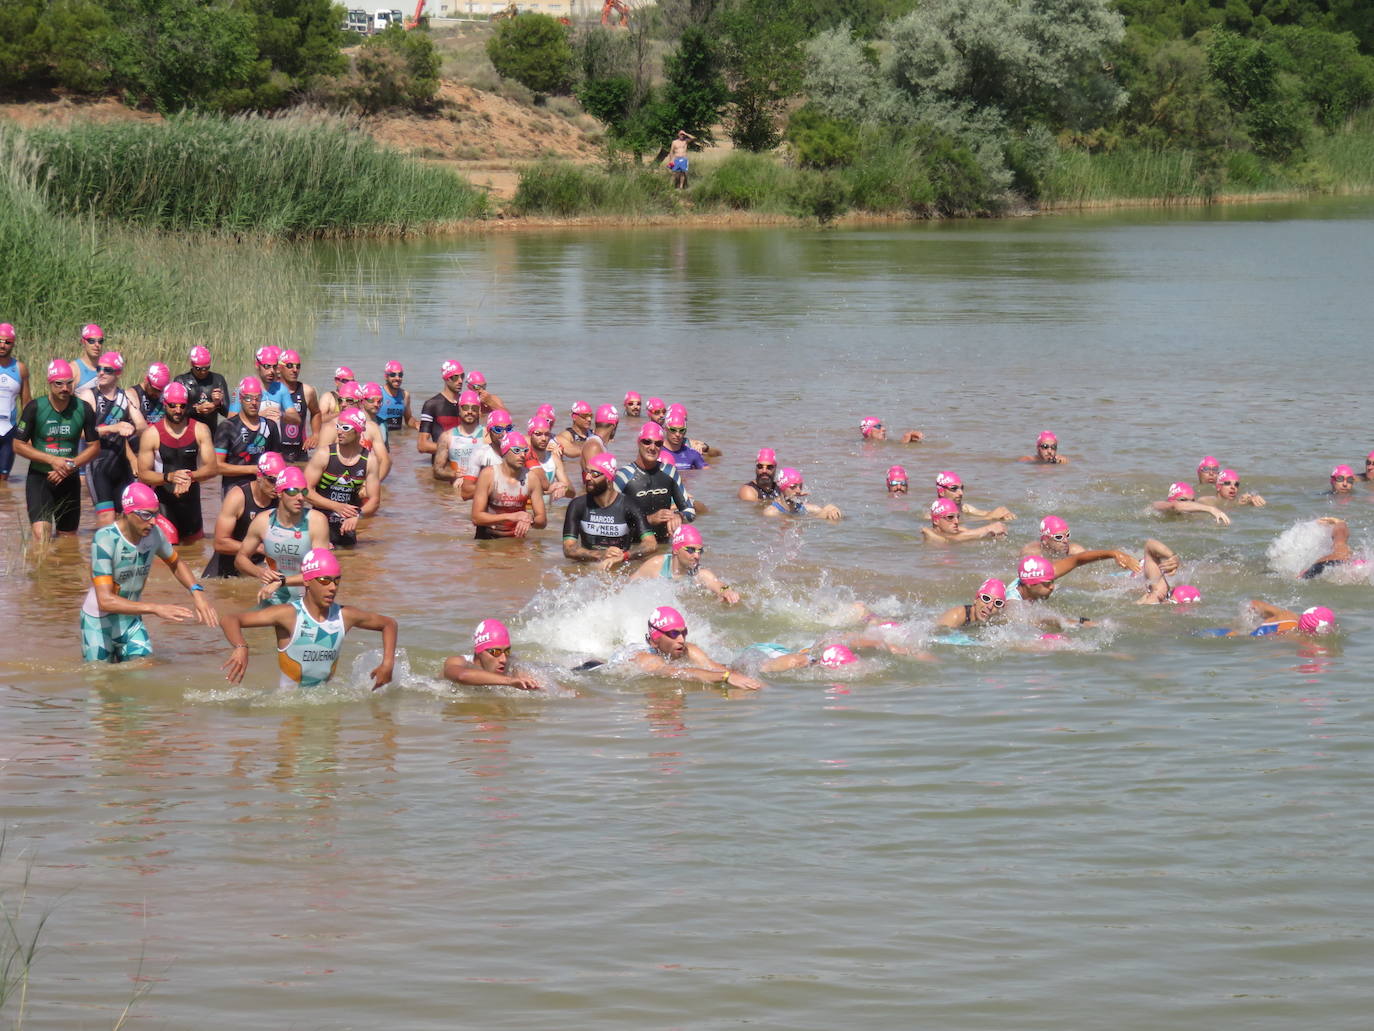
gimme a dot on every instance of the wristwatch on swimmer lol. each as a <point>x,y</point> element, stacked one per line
<point>70,463</point>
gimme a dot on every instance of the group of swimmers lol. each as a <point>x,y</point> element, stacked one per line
<point>301,470</point>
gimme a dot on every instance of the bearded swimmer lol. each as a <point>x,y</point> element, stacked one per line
<point>282,535</point>
<point>763,488</point>
<point>310,631</point>
<point>944,526</point>
<point>791,500</point>
<point>668,654</point>
<point>601,525</point>
<point>949,485</point>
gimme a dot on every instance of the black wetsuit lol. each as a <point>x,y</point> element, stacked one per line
<point>653,490</point>
<point>176,452</point>
<point>438,414</point>
<point>223,565</point>
<point>110,473</point>
<point>239,445</point>
<point>152,406</point>
<point>618,525</point>
<point>199,390</point>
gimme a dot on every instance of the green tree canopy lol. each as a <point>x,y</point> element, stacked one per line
<point>533,49</point>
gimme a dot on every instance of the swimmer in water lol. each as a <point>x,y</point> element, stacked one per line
<point>1180,500</point>
<point>548,459</point>
<point>897,481</point>
<point>571,440</point>
<point>485,453</point>
<point>685,560</point>
<point>1228,491</point>
<point>477,383</point>
<point>1159,564</point>
<point>1046,451</point>
<point>634,404</point>
<point>656,410</point>
<point>1339,553</point>
<point>683,453</point>
<point>509,499</point>
<point>871,428</point>
<point>763,487</point>
<point>944,526</point>
<point>1368,475</point>
<point>1342,480</point>
<point>282,535</point>
<point>455,445</point>
<point>1054,540</point>
<point>604,425</point>
<point>948,485</point>
<point>1208,470</point>
<point>602,526</point>
<point>1035,581</point>
<point>988,602</point>
<point>791,500</point>
<point>668,654</point>
<point>310,630</point>
<point>1275,620</point>
<point>490,661</point>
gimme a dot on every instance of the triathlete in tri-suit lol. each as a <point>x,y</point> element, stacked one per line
<point>343,483</point>
<point>310,631</point>
<point>282,536</point>
<point>601,525</point>
<point>149,392</point>
<point>505,490</point>
<point>440,412</point>
<point>173,445</point>
<point>243,438</point>
<point>56,433</point>
<point>343,479</point>
<point>988,601</point>
<point>763,487</point>
<point>118,420</point>
<point>241,506</point>
<point>395,410</point>
<point>208,391</point>
<point>14,395</point>
<point>655,487</point>
<point>456,444</point>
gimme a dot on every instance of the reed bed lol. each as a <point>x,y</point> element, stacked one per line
<point>301,176</point>
<point>561,189</point>
<point>1128,173</point>
<point>156,295</point>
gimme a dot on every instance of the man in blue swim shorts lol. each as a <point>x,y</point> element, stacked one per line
<point>677,158</point>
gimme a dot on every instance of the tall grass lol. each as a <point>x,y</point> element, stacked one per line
<point>155,295</point>
<point>1348,156</point>
<point>298,176</point>
<point>1127,173</point>
<point>564,190</point>
<point>746,182</point>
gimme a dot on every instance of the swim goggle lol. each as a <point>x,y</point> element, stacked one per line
<point>988,599</point>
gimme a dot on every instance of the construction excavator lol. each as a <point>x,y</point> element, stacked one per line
<point>615,13</point>
<point>414,20</point>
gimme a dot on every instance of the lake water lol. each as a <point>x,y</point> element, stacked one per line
<point>1133,829</point>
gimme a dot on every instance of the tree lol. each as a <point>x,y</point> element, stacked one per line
<point>1336,79</point>
<point>761,49</point>
<point>695,91</point>
<point>533,49</point>
<point>1248,76</point>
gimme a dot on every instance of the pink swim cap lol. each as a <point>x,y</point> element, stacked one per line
<point>767,454</point>
<point>1317,620</point>
<point>490,633</point>
<point>1342,470</point>
<point>686,536</point>
<point>200,356</point>
<point>354,419</point>
<point>1208,462</point>
<point>1047,437</point>
<point>290,478</point>
<point>268,355</point>
<point>581,408</point>
<point>1228,474</point>
<point>834,656</point>
<point>603,462</point>
<point>538,424</point>
<point>665,617</point>
<point>607,415</point>
<point>319,562</point>
<point>632,395</point>
<point>351,391</point>
<point>500,417</point>
<point>896,474</point>
<point>1035,570</point>
<point>677,417</point>
<point>1180,491</point>
<point>948,479</point>
<point>60,368</point>
<point>176,394</point>
<point>469,397</point>
<point>788,477</point>
<point>292,357</point>
<point>270,464</point>
<point>651,431</point>
<point>6,331</point>
<point>372,390</point>
<point>393,366</point>
<point>452,367</point>
<point>1185,594</point>
<point>514,439</point>
<point>111,359</point>
<point>90,331</point>
<point>344,372</point>
<point>993,587</point>
<point>159,375</point>
<point>168,529</point>
<point>250,385</point>
<point>1051,525</point>
<point>942,507</point>
<point>476,379</point>
<point>868,424</point>
<point>547,413</point>
<point>656,404</point>
<point>137,496</point>
<point>1053,637</point>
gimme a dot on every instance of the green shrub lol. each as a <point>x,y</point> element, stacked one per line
<point>565,190</point>
<point>533,49</point>
<point>821,195</point>
<point>821,141</point>
<point>745,182</point>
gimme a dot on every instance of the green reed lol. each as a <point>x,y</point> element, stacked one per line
<point>156,295</point>
<point>305,175</point>
<point>564,190</point>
